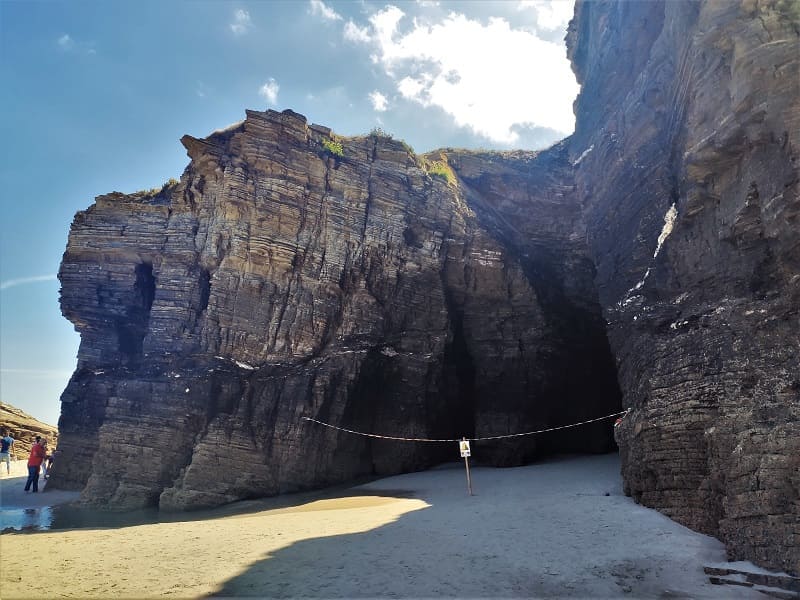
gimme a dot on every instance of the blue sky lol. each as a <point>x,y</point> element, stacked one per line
<point>95,96</point>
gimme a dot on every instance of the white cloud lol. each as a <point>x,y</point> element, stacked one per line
<point>379,101</point>
<point>9,283</point>
<point>269,91</point>
<point>410,87</point>
<point>354,33</point>
<point>319,8</point>
<point>241,22</point>
<point>550,14</point>
<point>385,23</point>
<point>489,77</point>
<point>227,128</point>
<point>65,42</point>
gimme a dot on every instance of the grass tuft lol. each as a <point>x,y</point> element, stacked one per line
<point>333,147</point>
<point>440,169</point>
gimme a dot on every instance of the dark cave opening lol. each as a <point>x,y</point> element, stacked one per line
<point>459,382</point>
<point>205,291</point>
<point>132,328</point>
<point>145,286</point>
<point>565,372</point>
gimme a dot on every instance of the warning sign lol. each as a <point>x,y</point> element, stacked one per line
<point>463,446</point>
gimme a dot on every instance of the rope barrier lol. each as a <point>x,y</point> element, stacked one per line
<point>480,439</point>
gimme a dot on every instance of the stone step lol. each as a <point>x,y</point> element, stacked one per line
<point>726,581</point>
<point>776,593</point>
<point>771,584</point>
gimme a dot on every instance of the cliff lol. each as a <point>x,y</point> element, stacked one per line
<point>281,278</point>
<point>687,138</point>
<point>24,429</point>
<point>651,259</point>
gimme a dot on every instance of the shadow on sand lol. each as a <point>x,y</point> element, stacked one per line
<point>561,528</point>
<point>457,546</point>
<point>410,558</point>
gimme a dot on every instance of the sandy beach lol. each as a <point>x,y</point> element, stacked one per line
<point>556,529</point>
<point>13,495</point>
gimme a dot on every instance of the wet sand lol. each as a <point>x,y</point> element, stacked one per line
<point>25,510</point>
<point>557,529</point>
<point>13,494</point>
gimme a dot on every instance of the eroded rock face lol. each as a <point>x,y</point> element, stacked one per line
<point>687,161</point>
<point>23,428</point>
<point>278,280</point>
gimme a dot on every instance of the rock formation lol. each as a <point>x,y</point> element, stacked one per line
<point>280,279</point>
<point>687,141</point>
<point>470,294</point>
<point>24,429</point>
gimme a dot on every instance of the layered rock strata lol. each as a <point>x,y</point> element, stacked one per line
<point>686,150</point>
<point>23,428</point>
<point>281,278</point>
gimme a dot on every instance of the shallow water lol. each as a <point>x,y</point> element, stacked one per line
<point>73,517</point>
<point>68,516</point>
<point>26,519</point>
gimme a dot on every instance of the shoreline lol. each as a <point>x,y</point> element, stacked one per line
<point>23,512</point>
<point>12,489</point>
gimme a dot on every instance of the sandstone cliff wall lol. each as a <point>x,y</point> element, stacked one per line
<point>686,147</point>
<point>24,429</point>
<point>278,280</point>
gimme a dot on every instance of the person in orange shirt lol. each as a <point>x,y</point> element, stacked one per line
<point>35,460</point>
